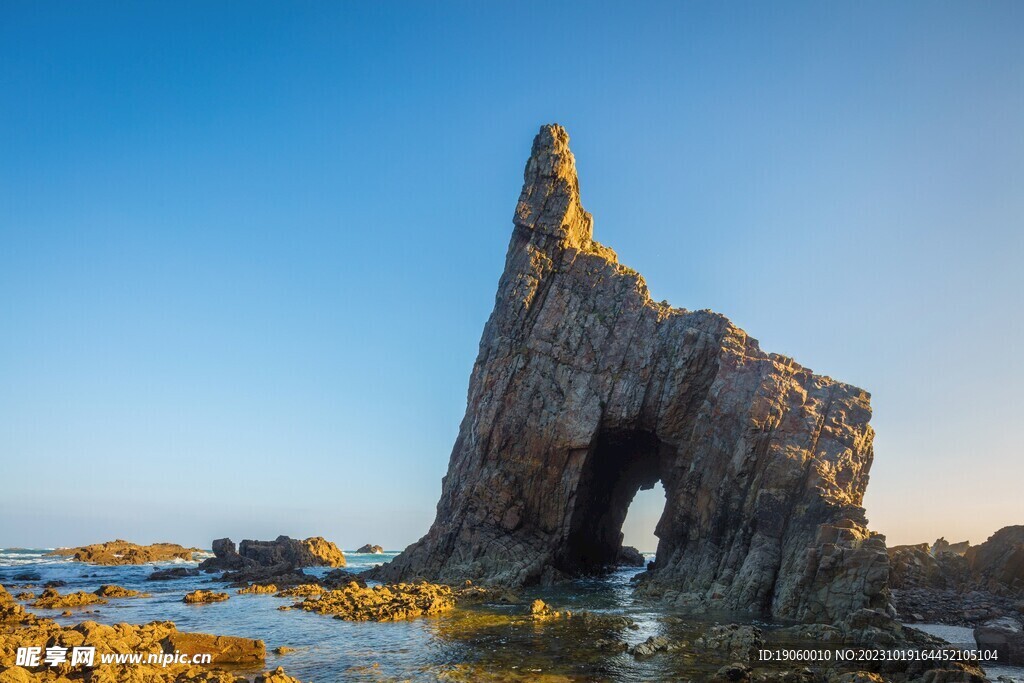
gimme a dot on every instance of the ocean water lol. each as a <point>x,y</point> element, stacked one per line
<point>484,643</point>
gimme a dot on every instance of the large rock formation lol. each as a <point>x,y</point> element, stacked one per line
<point>998,563</point>
<point>585,390</point>
<point>283,553</point>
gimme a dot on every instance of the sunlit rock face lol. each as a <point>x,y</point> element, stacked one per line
<point>585,390</point>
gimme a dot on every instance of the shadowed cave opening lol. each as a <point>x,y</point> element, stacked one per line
<point>621,463</point>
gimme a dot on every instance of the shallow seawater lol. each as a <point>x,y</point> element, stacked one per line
<point>480,643</point>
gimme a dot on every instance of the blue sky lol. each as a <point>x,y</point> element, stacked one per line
<point>246,254</point>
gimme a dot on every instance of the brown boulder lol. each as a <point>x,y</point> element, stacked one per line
<point>110,591</point>
<point>51,599</point>
<point>198,597</point>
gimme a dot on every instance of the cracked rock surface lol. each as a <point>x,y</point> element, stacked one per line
<point>585,390</point>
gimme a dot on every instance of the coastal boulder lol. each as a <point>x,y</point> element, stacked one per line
<point>51,599</point>
<point>198,597</point>
<point>1005,636</point>
<point>172,573</point>
<point>586,390</point>
<point>374,549</point>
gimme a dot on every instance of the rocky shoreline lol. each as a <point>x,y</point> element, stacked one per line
<point>22,629</point>
<point>113,553</point>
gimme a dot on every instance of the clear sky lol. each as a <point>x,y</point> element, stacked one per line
<point>247,250</point>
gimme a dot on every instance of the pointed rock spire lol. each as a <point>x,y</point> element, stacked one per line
<point>550,201</point>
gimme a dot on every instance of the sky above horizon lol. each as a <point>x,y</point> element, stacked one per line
<point>246,256</point>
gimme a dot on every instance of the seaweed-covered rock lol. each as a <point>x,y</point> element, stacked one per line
<point>382,603</point>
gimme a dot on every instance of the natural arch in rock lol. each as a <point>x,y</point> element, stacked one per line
<point>619,465</point>
<point>585,389</point>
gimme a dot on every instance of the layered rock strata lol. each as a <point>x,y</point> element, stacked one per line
<point>586,390</point>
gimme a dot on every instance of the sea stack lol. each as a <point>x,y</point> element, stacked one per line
<point>586,390</point>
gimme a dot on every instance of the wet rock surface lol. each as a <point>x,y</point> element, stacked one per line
<point>52,599</point>
<point>111,591</point>
<point>199,597</point>
<point>586,390</point>
<point>123,552</point>
<point>355,602</point>
<point>173,573</point>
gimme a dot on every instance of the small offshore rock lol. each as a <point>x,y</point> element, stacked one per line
<point>282,551</point>
<point>258,589</point>
<point>371,549</point>
<point>111,591</point>
<point>653,645</point>
<point>540,610</point>
<point>630,557</point>
<point>51,599</point>
<point>172,573</point>
<point>203,596</point>
<point>123,552</point>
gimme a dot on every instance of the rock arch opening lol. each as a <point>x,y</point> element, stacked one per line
<point>640,528</point>
<point>621,463</point>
